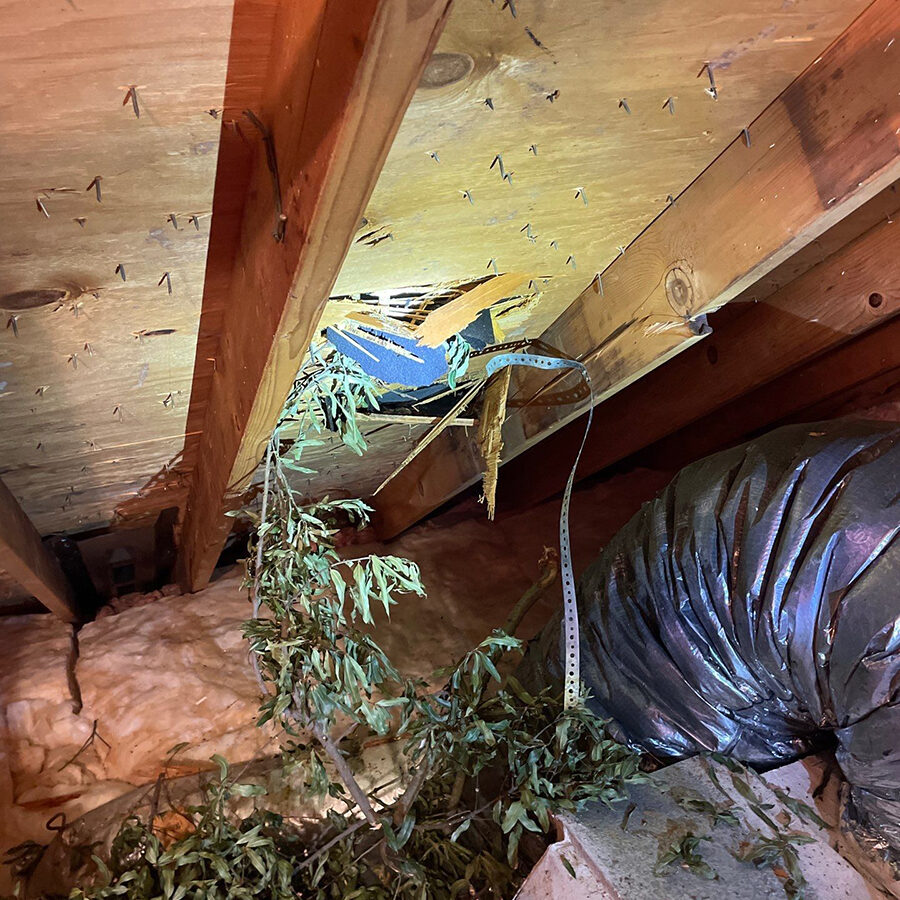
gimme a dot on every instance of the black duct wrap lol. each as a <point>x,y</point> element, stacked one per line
<point>753,605</point>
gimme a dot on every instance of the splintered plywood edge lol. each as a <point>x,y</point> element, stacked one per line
<point>490,433</point>
<point>454,316</point>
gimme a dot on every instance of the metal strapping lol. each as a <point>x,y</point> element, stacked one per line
<point>570,607</point>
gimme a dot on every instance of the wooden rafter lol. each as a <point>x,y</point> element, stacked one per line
<point>340,76</point>
<point>28,561</point>
<point>823,148</point>
<point>861,373</point>
<point>853,291</point>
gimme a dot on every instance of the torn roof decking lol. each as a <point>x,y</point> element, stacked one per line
<point>625,162</point>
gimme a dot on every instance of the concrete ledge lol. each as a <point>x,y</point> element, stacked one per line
<point>616,853</point>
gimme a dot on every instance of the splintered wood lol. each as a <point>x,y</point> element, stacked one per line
<point>450,418</point>
<point>490,433</point>
<point>454,316</point>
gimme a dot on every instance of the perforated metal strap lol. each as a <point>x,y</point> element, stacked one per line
<point>570,607</point>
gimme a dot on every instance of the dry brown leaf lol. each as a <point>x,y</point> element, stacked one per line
<point>171,827</point>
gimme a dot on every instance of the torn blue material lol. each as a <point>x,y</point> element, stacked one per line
<point>389,352</point>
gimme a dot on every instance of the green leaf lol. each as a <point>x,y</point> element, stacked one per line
<point>513,812</point>
<point>102,868</point>
<point>460,829</point>
<point>492,669</point>
<point>256,860</point>
<point>512,847</point>
<point>744,789</point>
<point>247,790</point>
<point>406,829</point>
<point>799,808</point>
<point>222,763</point>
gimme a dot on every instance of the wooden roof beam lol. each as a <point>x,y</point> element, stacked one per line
<point>861,373</point>
<point>25,557</point>
<point>855,290</point>
<point>825,146</point>
<point>340,76</point>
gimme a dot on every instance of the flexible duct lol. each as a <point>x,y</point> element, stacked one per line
<point>755,604</point>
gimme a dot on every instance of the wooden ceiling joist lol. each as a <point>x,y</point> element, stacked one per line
<point>339,79</point>
<point>29,562</point>
<point>824,147</point>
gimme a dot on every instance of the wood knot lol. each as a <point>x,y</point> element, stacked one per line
<point>444,69</point>
<point>679,291</point>
<point>17,301</point>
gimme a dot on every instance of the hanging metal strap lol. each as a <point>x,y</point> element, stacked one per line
<point>570,607</point>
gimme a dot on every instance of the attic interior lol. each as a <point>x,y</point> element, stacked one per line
<point>451,449</point>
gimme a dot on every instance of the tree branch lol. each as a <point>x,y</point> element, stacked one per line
<point>549,570</point>
<point>456,794</point>
<point>343,770</point>
<point>404,804</point>
<point>260,539</point>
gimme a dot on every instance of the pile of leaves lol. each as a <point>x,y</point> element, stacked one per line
<point>212,855</point>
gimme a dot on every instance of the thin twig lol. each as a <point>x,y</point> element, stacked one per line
<point>385,784</point>
<point>259,562</point>
<point>445,824</point>
<point>326,847</point>
<point>154,803</point>
<point>94,734</point>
